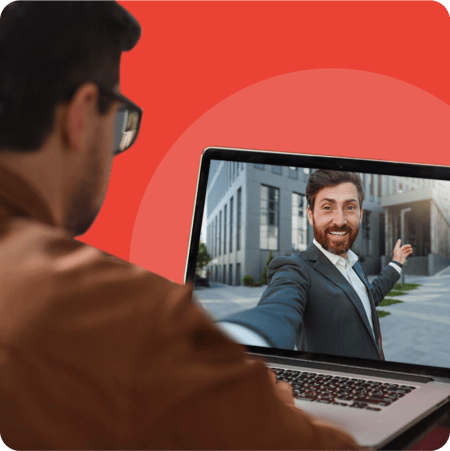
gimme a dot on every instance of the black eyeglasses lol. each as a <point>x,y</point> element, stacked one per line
<point>128,121</point>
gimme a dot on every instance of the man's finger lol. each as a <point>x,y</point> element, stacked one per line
<point>273,376</point>
<point>285,392</point>
<point>397,245</point>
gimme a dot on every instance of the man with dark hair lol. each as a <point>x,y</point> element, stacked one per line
<point>322,178</point>
<point>96,353</point>
<point>320,300</point>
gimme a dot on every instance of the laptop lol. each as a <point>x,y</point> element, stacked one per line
<point>251,208</point>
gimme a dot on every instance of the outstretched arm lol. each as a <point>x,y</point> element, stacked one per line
<point>384,283</point>
<point>278,317</point>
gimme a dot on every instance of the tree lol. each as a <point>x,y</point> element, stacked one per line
<point>203,258</point>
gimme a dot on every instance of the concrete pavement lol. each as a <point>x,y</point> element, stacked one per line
<point>418,329</point>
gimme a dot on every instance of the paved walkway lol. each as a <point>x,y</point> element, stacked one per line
<point>416,331</point>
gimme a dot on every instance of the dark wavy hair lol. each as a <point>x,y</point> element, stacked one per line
<point>47,50</point>
<point>323,178</point>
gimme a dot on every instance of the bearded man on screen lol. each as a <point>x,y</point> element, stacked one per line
<point>320,300</point>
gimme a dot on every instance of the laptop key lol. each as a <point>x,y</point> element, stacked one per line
<point>305,397</point>
<point>380,402</point>
<point>359,405</point>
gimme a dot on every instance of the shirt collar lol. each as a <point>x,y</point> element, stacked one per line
<point>352,258</point>
<point>17,198</point>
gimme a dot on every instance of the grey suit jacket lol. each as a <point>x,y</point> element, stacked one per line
<point>309,303</point>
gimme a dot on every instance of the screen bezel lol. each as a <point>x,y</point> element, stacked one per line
<point>412,170</point>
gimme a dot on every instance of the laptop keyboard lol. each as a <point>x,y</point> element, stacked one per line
<point>342,391</point>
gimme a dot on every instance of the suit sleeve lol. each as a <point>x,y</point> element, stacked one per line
<point>384,283</point>
<point>278,317</point>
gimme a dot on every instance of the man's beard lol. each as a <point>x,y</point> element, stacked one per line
<point>83,209</point>
<point>340,247</point>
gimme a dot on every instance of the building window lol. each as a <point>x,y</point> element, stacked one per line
<point>293,173</point>
<point>239,214</point>
<point>299,224</point>
<point>277,170</point>
<point>225,230</point>
<point>211,239</point>
<point>380,191</point>
<point>238,273</point>
<point>371,184</point>
<point>269,206</point>
<point>367,240</point>
<point>220,233</point>
<point>231,225</point>
<point>230,274</point>
<point>259,166</point>
<point>215,237</point>
<point>224,275</point>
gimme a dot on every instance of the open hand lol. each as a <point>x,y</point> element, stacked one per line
<point>400,253</point>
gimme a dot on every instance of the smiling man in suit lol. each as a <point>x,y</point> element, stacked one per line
<point>320,300</point>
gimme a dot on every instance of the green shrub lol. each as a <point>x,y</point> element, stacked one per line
<point>382,313</point>
<point>406,286</point>
<point>386,301</point>
<point>264,273</point>
<point>248,281</point>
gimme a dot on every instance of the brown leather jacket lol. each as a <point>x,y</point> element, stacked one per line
<point>96,353</point>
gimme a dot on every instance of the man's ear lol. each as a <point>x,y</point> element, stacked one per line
<point>80,113</point>
<point>361,216</point>
<point>310,215</point>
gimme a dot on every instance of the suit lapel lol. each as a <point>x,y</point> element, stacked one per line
<point>328,270</point>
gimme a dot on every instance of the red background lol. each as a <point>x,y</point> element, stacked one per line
<point>194,55</point>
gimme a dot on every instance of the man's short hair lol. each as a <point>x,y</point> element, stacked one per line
<point>47,50</point>
<point>323,178</point>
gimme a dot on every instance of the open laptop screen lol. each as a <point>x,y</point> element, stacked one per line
<point>252,212</point>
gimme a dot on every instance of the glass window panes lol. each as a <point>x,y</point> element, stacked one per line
<point>269,206</point>
<point>277,170</point>
<point>299,224</point>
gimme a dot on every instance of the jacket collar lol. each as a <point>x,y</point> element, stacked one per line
<point>18,199</point>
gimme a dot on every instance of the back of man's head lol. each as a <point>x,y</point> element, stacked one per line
<point>47,50</point>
